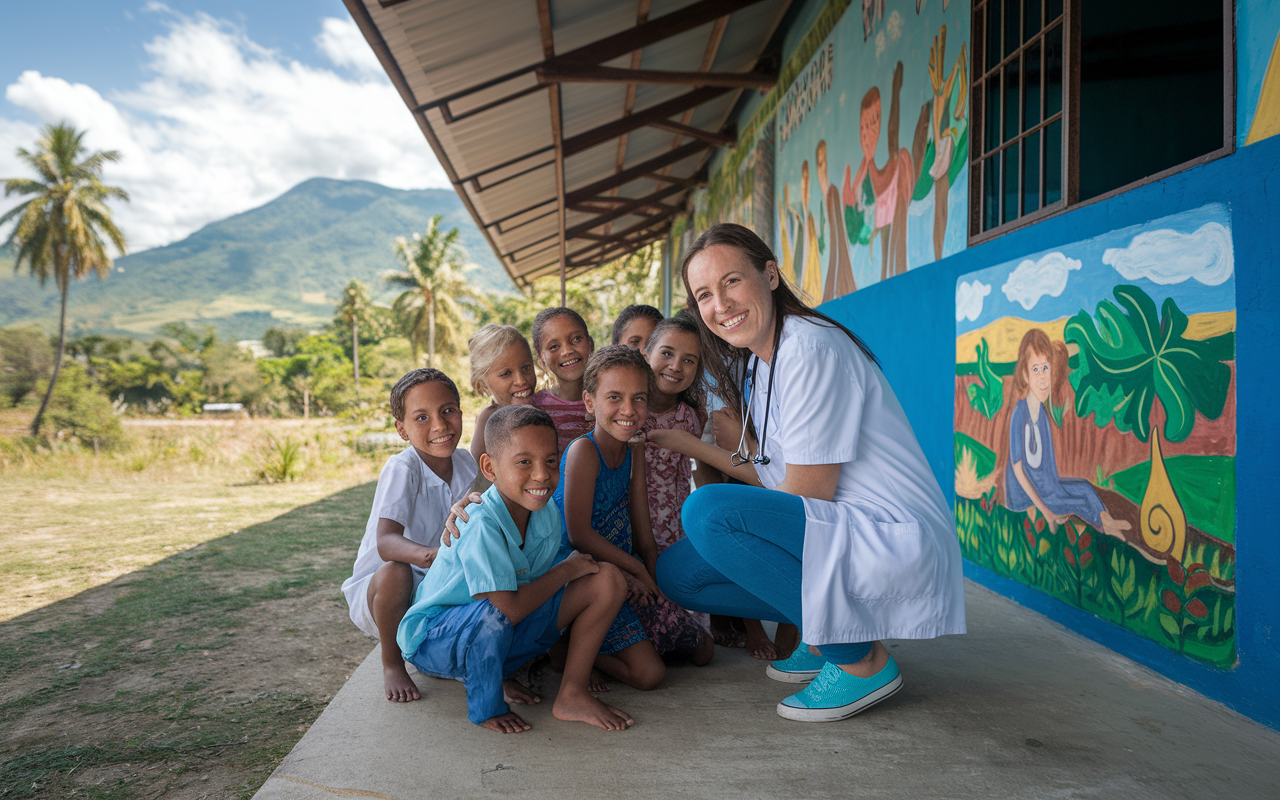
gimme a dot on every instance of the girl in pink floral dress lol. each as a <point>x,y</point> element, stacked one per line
<point>673,353</point>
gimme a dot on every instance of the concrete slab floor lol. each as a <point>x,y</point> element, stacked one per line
<point>1018,708</point>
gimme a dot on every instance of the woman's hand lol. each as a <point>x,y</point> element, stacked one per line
<point>457,512</point>
<point>677,441</point>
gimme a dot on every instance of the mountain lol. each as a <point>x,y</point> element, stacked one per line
<point>281,263</point>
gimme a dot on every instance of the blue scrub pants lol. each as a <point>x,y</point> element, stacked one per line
<point>477,644</point>
<point>741,557</point>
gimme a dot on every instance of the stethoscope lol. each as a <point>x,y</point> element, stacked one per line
<point>742,455</point>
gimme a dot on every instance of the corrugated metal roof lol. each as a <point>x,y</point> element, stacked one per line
<point>485,79</point>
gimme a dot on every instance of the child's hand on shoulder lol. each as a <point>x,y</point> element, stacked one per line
<point>458,512</point>
<point>668,438</point>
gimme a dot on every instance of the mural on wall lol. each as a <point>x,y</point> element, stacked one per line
<point>1095,434</point>
<point>1258,45</point>
<point>872,149</point>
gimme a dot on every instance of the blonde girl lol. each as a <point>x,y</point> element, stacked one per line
<point>502,369</point>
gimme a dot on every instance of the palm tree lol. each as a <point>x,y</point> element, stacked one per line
<point>434,281</point>
<point>60,230</point>
<point>356,309</point>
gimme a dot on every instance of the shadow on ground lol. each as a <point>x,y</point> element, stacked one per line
<point>191,677</point>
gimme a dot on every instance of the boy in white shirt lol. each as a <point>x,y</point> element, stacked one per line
<point>415,490</point>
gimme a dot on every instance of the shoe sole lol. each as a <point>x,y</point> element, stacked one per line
<point>841,712</point>
<point>790,677</point>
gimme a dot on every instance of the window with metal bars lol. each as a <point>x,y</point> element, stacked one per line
<point>1076,100</point>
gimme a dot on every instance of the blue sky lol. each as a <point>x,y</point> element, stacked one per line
<point>216,106</point>
<point>1187,256</point>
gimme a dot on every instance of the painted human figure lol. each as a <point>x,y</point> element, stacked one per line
<point>839,269</point>
<point>891,185</point>
<point>1031,479</point>
<point>811,278</point>
<point>785,234</point>
<point>944,140</point>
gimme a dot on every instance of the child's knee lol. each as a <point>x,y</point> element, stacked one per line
<point>391,585</point>
<point>650,673</point>
<point>611,580</point>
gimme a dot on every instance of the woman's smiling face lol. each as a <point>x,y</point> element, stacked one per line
<point>735,300</point>
<point>565,348</point>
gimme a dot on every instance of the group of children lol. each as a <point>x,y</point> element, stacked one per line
<point>574,508</point>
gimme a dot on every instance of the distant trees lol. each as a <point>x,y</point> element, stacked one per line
<point>59,231</point>
<point>436,293</point>
<point>356,311</point>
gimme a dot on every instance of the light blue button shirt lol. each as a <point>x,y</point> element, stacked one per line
<point>488,556</point>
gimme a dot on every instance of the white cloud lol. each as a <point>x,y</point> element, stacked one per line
<point>894,25</point>
<point>1031,280</point>
<point>969,299</point>
<point>226,125</point>
<point>1167,256</point>
<point>880,44</point>
<point>345,46</point>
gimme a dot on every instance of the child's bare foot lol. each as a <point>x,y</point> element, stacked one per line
<point>509,722</point>
<point>399,686</point>
<point>582,707</point>
<point>705,651</point>
<point>726,631</point>
<point>596,682</point>
<point>786,639</point>
<point>515,692</point>
<point>758,643</point>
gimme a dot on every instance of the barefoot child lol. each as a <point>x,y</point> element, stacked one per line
<point>415,490</point>
<point>502,368</point>
<point>606,509</point>
<point>497,597</point>
<point>634,326</point>
<point>563,345</point>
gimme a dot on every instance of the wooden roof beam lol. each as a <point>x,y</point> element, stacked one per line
<point>638,171</point>
<point>718,139</point>
<point>621,211</point>
<point>636,229</point>
<point>612,130</point>
<point>596,74</point>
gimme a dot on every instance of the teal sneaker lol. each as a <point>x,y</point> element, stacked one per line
<point>836,695</point>
<point>801,667</point>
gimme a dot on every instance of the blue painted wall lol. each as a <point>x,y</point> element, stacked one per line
<point>919,359</point>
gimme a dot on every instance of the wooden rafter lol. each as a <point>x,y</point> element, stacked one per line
<point>622,210</point>
<point>557,138</point>
<point>638,171</point>
<point>719,139</point>
<point>596,74</point>
<point>611,130</point>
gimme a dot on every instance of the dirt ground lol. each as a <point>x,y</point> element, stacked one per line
<point>171,631</point>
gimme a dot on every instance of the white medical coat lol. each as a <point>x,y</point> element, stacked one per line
<point>881,561</point>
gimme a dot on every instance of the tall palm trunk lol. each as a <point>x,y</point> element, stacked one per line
<point>355,355</point>
<point>57,362</point>
<point>431,329</point>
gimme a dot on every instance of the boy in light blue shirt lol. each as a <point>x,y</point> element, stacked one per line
<point>497,597</point>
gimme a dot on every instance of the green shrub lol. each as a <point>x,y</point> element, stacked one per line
<point>26,357</point>
<point>279,460</point>
<point>79,409</point>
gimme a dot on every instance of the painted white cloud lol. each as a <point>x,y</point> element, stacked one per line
<point>1167,256</point>
<point>1031,280</point>
<point>225,125</point>
<point>969,299</point>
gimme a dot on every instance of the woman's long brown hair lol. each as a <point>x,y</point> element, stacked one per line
<point>725,362</point>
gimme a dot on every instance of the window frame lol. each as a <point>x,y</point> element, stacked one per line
<point>1070,116</point>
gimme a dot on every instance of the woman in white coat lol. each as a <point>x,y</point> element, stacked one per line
<point>844,531</point>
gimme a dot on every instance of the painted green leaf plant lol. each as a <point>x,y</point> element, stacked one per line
<point>987,395</point>
<point>1132,358</point>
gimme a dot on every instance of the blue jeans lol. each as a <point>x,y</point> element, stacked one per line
<point>477,644</point>
<point>741,557</point>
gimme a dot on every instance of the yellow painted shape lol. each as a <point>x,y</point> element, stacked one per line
<point>1266,115</point>
<point>1005,334</point>
<point>1164,523</point>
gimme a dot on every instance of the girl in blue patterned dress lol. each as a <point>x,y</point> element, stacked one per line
<point>605,506</point>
